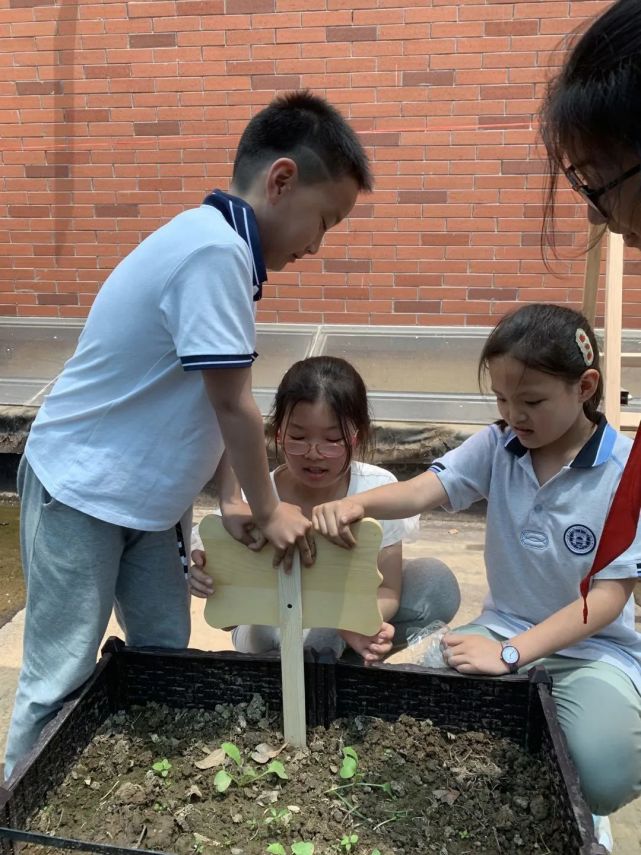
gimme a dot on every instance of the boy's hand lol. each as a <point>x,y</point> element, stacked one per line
<point>332,519</point>
<point>200,583</point>
<point>239,522</point>
<point>287,529</point>
<point>371,647</point>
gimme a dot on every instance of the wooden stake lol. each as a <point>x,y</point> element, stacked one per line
<point>291,652</point>
<point>592,272</point>
<point>612,330</point>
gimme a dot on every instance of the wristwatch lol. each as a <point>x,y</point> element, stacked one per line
<point>510,656</point>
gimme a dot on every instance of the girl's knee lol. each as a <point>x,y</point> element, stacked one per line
<point>609,769</point>
<point>430,588</point>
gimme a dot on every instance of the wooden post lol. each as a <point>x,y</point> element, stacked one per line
<point>592,272</point>
<point>612,329</point>
<point>291,653</point>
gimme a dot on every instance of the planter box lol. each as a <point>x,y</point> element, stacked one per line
<point>520,708</point>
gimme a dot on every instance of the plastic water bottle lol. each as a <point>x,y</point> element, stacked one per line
<point>425,645</point>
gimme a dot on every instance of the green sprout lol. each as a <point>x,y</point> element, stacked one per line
<point>349,766</point>
<point>162,767</point>
<point>301,847</point>
<point>348,842</point>
<point>245,774</point>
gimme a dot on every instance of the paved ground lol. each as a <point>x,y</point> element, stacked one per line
<point>457,540</point>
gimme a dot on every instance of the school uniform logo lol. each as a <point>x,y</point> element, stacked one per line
<point>534,539</point>
<point>579,539</point>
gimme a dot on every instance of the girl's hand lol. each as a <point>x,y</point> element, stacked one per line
<point>333,519</point>
<point>371,647</point>
<point>200,583</point>
<point>473,654</point>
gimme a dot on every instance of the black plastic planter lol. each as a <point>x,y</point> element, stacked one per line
<point>520,708</point>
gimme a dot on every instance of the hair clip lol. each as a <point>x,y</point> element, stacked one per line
<point>584,346</point>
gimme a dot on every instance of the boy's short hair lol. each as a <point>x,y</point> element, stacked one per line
<point>311,132</point>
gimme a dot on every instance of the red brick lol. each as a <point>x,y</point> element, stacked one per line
<point>29,4</point>
<point>513,28</point>
<point>416,306</point>
<point>152,40</point>
<point>275,81</point>
<point>428,78</point>
<point>151,129</point>
<point>47,87</point>
<point>351,34</point>
<point>54,171</point>
<point>118,210</point>
<point>236,7</point>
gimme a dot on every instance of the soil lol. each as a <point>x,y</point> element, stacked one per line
<point>12,591</point>
<point>416,789</point>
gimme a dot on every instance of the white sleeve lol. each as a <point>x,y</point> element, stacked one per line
<point>208,308</point>
<point>393,530</point>
<point>465,472</point>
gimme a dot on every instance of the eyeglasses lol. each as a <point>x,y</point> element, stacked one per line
<point>592,196</point>
<point>298,447</point>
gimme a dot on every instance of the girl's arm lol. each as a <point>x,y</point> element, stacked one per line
<point>392,501</point>
<point>375,647</point>
<point>474,654</point>
<point>390,565</point>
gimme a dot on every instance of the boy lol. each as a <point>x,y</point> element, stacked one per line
<point>158,388</point>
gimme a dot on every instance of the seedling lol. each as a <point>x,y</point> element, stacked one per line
<point>348,842</point>
<point>278,816</point>
<point>245,774</point>
<point>301,847</point>
<point>349,771</point>
<point>162,767</point>
<point>349,766</point>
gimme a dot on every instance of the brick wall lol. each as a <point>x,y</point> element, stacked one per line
<point>117,115</point>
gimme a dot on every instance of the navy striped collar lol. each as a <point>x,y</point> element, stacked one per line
<point>240,216</point>
<point>596,450</point>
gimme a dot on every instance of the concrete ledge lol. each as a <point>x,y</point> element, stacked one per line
<point>15,423</point>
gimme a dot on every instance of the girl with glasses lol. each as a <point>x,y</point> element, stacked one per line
<point>591,123</point>
<point>320,423</point>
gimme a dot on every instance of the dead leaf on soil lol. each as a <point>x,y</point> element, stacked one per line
<point>215,758</point>
<point>206,841</point>
<point>264,752</point>
<point>447,796</point>
<point>194,792</point>
<point>267,797</point>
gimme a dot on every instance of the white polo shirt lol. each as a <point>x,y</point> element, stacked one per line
<point>540,540</point>
<point>128,434</point>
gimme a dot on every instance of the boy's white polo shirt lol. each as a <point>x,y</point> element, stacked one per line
<point>128,434</point>
<point>541,540</point>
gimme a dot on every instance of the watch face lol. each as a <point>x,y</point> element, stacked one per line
<point>510,655</point>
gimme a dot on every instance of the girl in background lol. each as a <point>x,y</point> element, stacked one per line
<point>321,425</point>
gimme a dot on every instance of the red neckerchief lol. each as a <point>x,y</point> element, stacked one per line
<point>623,518</point>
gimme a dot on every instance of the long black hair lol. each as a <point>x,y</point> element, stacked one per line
<point>334,381</point>
<point>592,108</point>
<point>543,336</point>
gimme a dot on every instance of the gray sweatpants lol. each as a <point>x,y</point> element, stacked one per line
<point>430,592</point>
<point>77,568</point>
<point>599,711</point>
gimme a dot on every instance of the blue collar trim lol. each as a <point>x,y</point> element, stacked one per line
<point>596,450</point>
<point>240,216</point>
